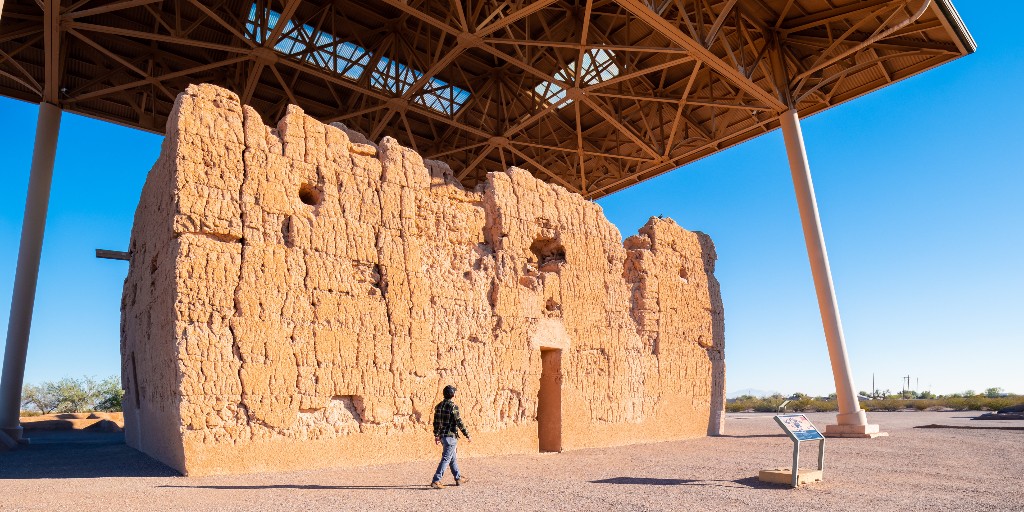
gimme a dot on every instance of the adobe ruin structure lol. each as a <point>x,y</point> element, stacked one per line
<point>298,296</point>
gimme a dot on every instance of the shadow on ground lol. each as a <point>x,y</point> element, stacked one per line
<point>77,454</point>
<point>746,482</point>
<point>969,427</point>
<point>630,480</point>
<point>752,435</point>
<point>304,487</point>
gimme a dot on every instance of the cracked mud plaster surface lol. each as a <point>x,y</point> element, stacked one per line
<point>298,296</point>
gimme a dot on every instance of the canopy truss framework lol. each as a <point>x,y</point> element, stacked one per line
<point>679,79</point>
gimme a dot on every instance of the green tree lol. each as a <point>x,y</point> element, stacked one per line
<point>42,397</point>
<point>994,392</point>
<point>75,394</point>
<point>108,394</point>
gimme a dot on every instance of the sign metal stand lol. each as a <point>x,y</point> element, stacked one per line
<point>800,429</point>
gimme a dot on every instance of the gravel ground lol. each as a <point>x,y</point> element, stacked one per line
<point>978,466</point>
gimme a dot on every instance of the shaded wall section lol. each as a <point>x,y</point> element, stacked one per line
<point>298,297</point>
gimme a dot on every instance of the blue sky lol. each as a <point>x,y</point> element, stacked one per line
<point>920,188</point>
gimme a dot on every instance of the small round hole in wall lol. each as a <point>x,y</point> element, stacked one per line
<point>308,194</point>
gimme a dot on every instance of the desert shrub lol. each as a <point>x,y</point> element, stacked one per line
<point>806,404</point>
<point>921,404</point>
<point>994,404</point>
<point>741,404</point>
<point>734,407</point>
<point>958,403</point>
<point>883,404</point>
<point>955,402</point>
<point>801,404</point>
<point>749,403</point>
<point>826,405</point>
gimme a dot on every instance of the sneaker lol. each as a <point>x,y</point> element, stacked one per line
<point>460,481</point>
<point>437,485</point>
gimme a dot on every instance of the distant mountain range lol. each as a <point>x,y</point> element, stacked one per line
<point>749,391</point>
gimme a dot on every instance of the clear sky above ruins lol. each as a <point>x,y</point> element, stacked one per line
<point>920,188</point>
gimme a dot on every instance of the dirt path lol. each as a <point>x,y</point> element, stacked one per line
<point>978,468</point>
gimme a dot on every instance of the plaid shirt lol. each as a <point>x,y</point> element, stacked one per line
<point>447,420</point>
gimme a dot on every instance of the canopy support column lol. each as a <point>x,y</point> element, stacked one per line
<point>852,421</point>
<point>26,275</point>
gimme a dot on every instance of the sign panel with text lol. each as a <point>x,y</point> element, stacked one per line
<point>798,427</point>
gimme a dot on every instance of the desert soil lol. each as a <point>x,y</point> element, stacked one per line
<point>979,467</point>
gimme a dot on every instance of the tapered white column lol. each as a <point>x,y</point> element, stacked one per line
<point>851,419</point>
<point>25,277</point>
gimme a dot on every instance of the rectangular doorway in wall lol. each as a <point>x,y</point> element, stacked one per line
<point>549,401</point>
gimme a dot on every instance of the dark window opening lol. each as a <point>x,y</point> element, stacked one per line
<point>548,253</point>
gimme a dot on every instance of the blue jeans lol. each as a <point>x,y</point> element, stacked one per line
<point>448,458</point>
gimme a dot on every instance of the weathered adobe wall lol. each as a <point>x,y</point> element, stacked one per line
<point>298,297</point>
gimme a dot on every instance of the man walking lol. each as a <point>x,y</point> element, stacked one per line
<point>447,424</point>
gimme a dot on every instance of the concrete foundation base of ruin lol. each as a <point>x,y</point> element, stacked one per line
<point>298,297</point>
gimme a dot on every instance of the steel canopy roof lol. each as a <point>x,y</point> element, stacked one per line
<point>592,95</point>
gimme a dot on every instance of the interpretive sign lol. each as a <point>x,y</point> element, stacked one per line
<point>798,427</point>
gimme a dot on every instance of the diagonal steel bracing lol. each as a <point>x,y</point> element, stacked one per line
<point>690,76</point>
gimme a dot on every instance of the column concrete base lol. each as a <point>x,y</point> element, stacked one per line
<point>857,431</point>
<point>858,417</point>
<point>7,443</point>
<point>16,433</point>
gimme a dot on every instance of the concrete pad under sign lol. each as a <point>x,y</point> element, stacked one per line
<point>784,476</point>
<point>854,431</point>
